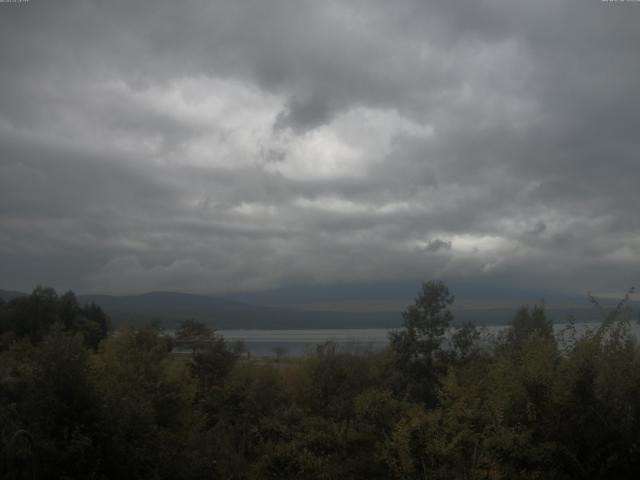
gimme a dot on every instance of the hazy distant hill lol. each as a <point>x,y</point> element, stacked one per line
<point>221,313</point>
<point>7,295</point>
<point>171,307</point>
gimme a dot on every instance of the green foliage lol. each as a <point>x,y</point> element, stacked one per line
<point>334,379</point>
<point>146,407</point>
<point>47,391</point>
<point>212,359</point>
<point>426,322</point>
<point>534,406</point>
<point>34,315</point>
<point>529,321</point>
<point>465,344</point>
<point>193,334</point>
<point>212,363</point>
<point>417,346</point>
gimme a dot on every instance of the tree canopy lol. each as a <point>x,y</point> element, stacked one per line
<point>441,402</point>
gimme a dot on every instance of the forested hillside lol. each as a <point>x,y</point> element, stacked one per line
<point>77,402</point>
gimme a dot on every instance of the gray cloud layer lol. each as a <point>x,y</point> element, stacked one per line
<point>215,146</point>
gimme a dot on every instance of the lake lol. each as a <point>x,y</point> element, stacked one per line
<point>297,342</point>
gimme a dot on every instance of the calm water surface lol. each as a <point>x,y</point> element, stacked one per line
<point>298,342</point>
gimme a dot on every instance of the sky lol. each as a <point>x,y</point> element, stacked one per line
<point>236,146</point>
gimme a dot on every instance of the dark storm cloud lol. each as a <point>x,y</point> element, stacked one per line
<point>212,146</point>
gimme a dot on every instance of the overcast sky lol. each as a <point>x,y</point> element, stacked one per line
<point>248,145</point>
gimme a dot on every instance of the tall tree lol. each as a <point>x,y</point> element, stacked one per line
<point>529,321</point>
<point>417,348</point>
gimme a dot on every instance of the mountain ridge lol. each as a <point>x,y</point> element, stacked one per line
<point>170,307</point>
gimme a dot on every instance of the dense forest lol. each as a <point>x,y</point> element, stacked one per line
<point>80,401</point>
